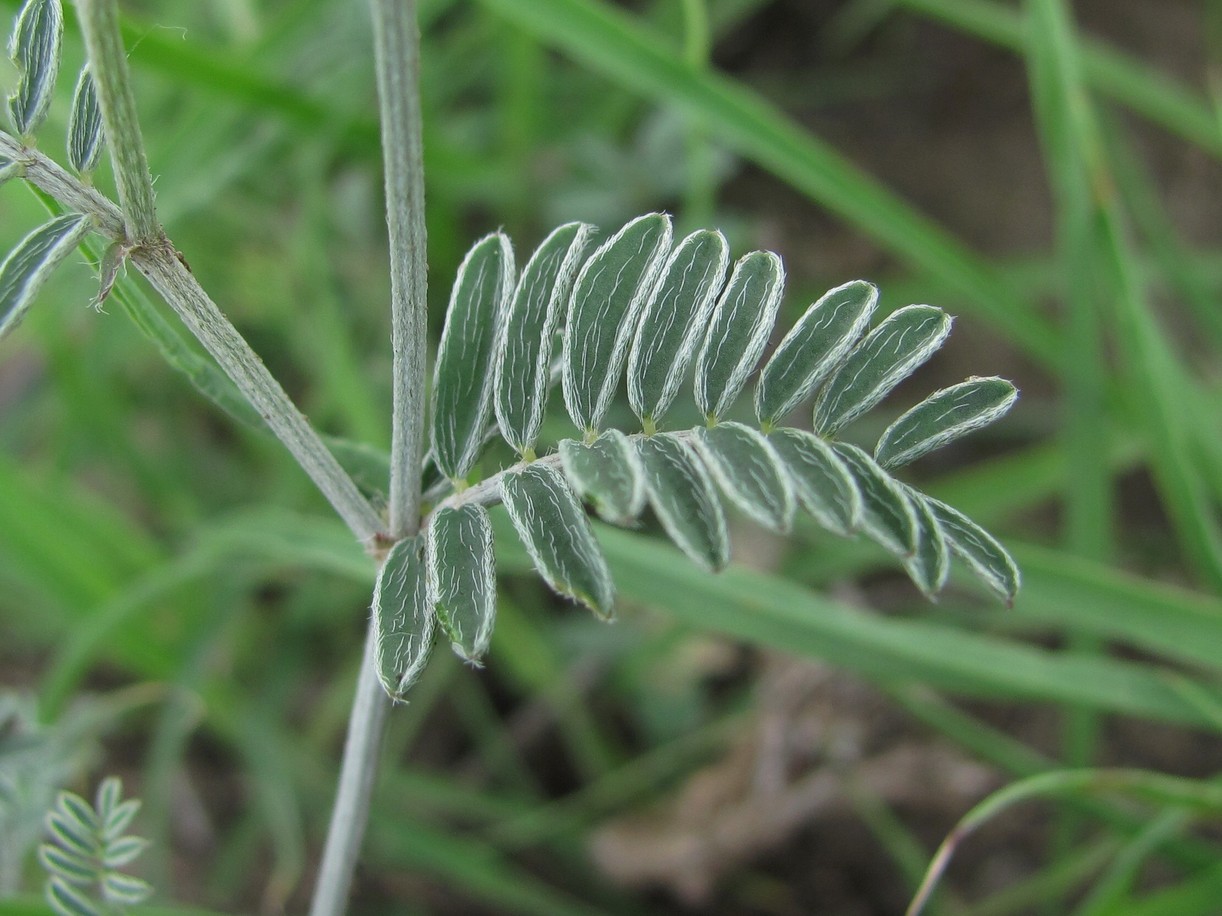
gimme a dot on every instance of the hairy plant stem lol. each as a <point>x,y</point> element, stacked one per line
<point>397,58</point>
<point>164,267</point>
<point>397,61</point>
<point>99,21</point>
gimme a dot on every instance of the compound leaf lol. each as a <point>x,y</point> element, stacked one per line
<point>34,48</point>
<point>979,549</point>
<point>33,261</point>
<point>557,535</point>
<point>684,500</point>
<point>462,381</point>
<point>673,322</point>
<point>403,620</point>
<point>748,472</point>
<point>603,312</point>
<point>943,417</point>
<point>738,331</point>
<point>607,474</point>
<point>930,565</point>
<point>813,348</point>
<point>887,356</point>
<point>820,480</point>
<point>887,514</point>
<point>524,356</point>
<point>85,133</point>
<point>461,577</point>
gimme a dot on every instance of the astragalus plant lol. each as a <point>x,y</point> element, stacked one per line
<point>636,307</point>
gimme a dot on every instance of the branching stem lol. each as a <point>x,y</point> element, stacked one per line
<point>160,262</point>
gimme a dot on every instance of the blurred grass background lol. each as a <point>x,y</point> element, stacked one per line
<point>794,736</point>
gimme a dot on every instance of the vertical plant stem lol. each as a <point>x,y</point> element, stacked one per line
<point>366,726</point>
<point>108,63</point>
<point>397,60</point>
<point>397,56</point>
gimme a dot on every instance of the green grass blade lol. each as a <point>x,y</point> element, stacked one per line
<point>607,299</point>
<point>557,535</point>
<point>738,331</point>
<point>748,471</point>
<point>813,348</point>
<point>608,474</point>
<point>673,321</point>
<point>462,381</point>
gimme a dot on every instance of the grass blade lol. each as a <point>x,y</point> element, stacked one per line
<point>33,261</point>
<point>462,381</point>
<point>672,322</point>
<point>524,356</point>
<point>813,348</point>
<point>944,417</point>
<point>684,501</point>
<point>557,535</point>
<point>607,300</point>
<point>738,331</point>
<point>607,473</point>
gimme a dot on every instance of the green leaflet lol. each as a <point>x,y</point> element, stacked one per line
<point>889,354</point>
<point>10,169</point>
<point>34,48</point>
<point>125,890</point>
<point>748,471</point>
<point>557,535</point>
<point>607,473</point>
<point>85,126</point>
<point>820,480</point>
<point>888,516</point>
<point>979,549</point>
<point>461,577</point>
<point>67,901</point>
<point>524,356</point>
<point>462,380</point>
<point>813,348</point>
<point>33,261</point>
<point>402,618</point>
<point>930,565</point>
<point>606,303</point>
<point>943,417</point>
<point>673,322</point>
<point>738,331</point>
<point>684,500</point>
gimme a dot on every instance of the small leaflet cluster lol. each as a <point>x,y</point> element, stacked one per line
<point>35,51</point>
<point>87,851</point>
<point>640,308</point>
